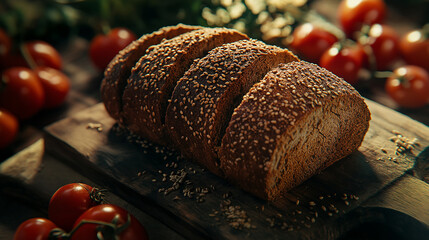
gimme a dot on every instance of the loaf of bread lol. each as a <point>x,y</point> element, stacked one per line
<point>249,112</point>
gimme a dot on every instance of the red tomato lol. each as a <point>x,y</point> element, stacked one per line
<point>353,14</point>
<point>55,84</point>
<point>414,47</point>
<point>8,128</point>
<point>384,42</point>
<point>23,94</point>
<point>409,86</point>
<point>104,48</point>
<point>70,201</point>
<point>124,225</point>
<point>5,43</point>
<point>310,41</point>
<point>41,53</point>
<point>34,229</point>
<point>345,62</point>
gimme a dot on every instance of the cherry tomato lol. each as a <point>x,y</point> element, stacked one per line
<point>8,128</point>
<point>56,85</point>
<point>345,62</point>
<point>311,41</point>
<point>384,42</point>
<point>42,54</point>
<point>409,86</point>
<point>70,201</point>
<point>5,43</point>
<point>353,14</point>
<point>23,94</point>
<point>103,48</point>
<point>34,229</point>
<point>414,47</point>
<point>122,224</point>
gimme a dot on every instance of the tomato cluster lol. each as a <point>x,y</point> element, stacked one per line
<point>76,211</point>
<point>365,42</point>
<point>31,80</point>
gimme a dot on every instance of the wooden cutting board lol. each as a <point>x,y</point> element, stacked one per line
<point>369,186</point>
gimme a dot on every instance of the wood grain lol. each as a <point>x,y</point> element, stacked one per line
<point>136,173</point>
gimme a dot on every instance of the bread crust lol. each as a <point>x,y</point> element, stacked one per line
<point>155,75</point>
<point>247,111</point>
<point>119,69</point>
<point>203,100</point>
<point>294,123</point>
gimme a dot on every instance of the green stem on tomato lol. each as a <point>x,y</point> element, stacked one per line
<point>318,20</point>
<point>57,233</point>
<point>382,74</point>
<point>27,57</point>
<point>363,40</point>
<point>105,230</point>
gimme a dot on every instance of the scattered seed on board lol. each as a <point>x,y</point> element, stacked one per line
<point>403,144</point>
<point>96,126</point>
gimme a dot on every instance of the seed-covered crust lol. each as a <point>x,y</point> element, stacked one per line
<point>298,120</point>
<point>155,75</point>
<point>205,96</point>
<point>119,69</point>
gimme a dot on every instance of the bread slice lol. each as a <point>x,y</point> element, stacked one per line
<point>297,121</point>
<point>155,75</point>
<point>119,69</point>
<point>204,98</point>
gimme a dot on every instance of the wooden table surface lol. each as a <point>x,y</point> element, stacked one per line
<point>24,193</point>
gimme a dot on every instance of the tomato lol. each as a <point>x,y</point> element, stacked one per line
<point>32,54</point>
<point>34,229</point>
<point>310,41</point>
<point>124,225</point>
<point>23,94</point>
<point>353,14</point>
<point>8,128</point>
<point>384,42</point>
<point>41,53</point>
<point>56,85</point>
<point>70,201</point>
<point>5,43</point>
<point>345,62</point>
<point>414,47</point>
<point>409,86</point>
<point>103,48</point>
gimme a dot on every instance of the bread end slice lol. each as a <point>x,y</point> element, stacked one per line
<point>297,121</point>
<point>119,69</point>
